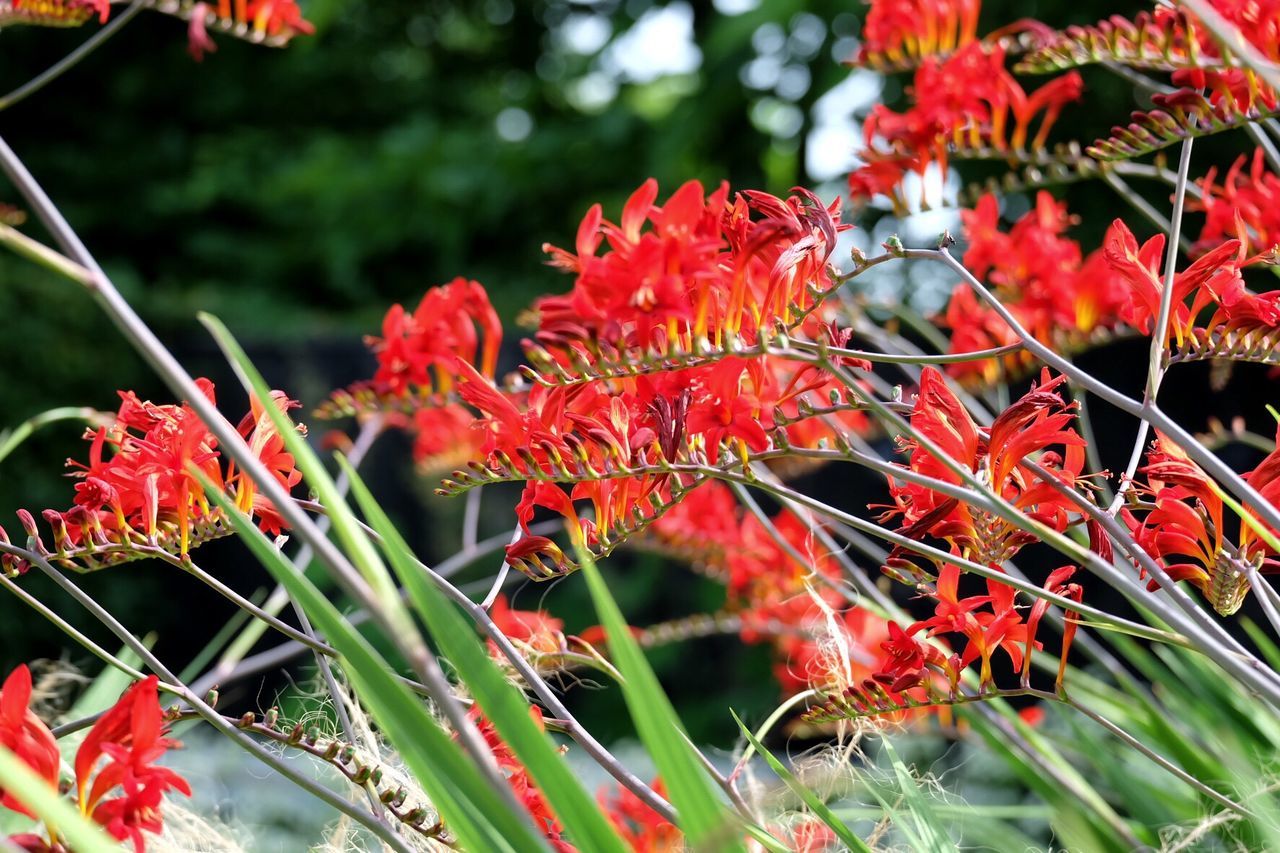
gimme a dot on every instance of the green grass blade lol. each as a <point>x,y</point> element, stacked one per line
<point>21,781</point>
<point>456,787</point>
<point>503,704</point>
<point>12,439</point>
<point>820,809</point>
<point>1264,643</point>
<point>702,815</point>
<point>356,545</point>
<point>928,824</point>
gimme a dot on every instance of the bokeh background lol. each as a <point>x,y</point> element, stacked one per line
<point>298,193</point>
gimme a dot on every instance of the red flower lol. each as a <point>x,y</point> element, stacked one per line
<point>25,735</point>
<point>642,829</point>
<point>522,784</point>
<point>704,267</point>
<point>967,101</point>
<point>1039,276</point>
<point>443,437</point>
<point>275,17</point>
<point>808,835</point>
<point>538,630</point>
<point>1037,422</point>
<point>723,409</point>
<point>453,321</point>
<point>898,30</point>
<point>1141,268</point>
<point>139,486</point>
<point>1251,198</point>
<point>1184,530</point>
<point>1266,479</point>
<point>131,738</point>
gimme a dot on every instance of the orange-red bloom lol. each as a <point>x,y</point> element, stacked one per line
<point>131,737</point>
<point>25,735</point>
<point>699,267</point>
<point>1185,530</point>
<point>1040,276</point>
<point>117,781</point>
<point>522,784</point>
<point>642,829</point>
<point>1039,422</point>
<point>968,101</point>
<point>140,484</point>
<point>897,31</point>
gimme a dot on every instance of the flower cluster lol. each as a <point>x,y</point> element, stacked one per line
<point>1039,422</point>
<point>589,427</point>
<point>1240,320</point>
<point>1245,205</point>
<point>1231,90</point>
<point>1068,302</point>
<point>117,781</point>
<point>898,32</point>
<point>916,667</point>
<point>1060,297</point>
<point>141,486</point>
<point>270,21</point>
<point>700,268</point>
<point>415,382</point>
<point>691,277</point>
<point>1214,88</point>
<point>968,103</point>
<point>641,828</point>
<point>1181,526</point>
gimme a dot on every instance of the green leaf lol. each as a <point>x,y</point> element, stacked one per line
<point>702,815</point>
<point>503,704</point>
<point>458,790</point>
<point>11,439</point>
<point>820,809</point>
<point>21,781</point>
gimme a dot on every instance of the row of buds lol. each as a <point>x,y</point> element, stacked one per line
<point>346,759</point>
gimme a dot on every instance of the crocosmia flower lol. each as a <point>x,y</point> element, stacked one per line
<point>25,735</point>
